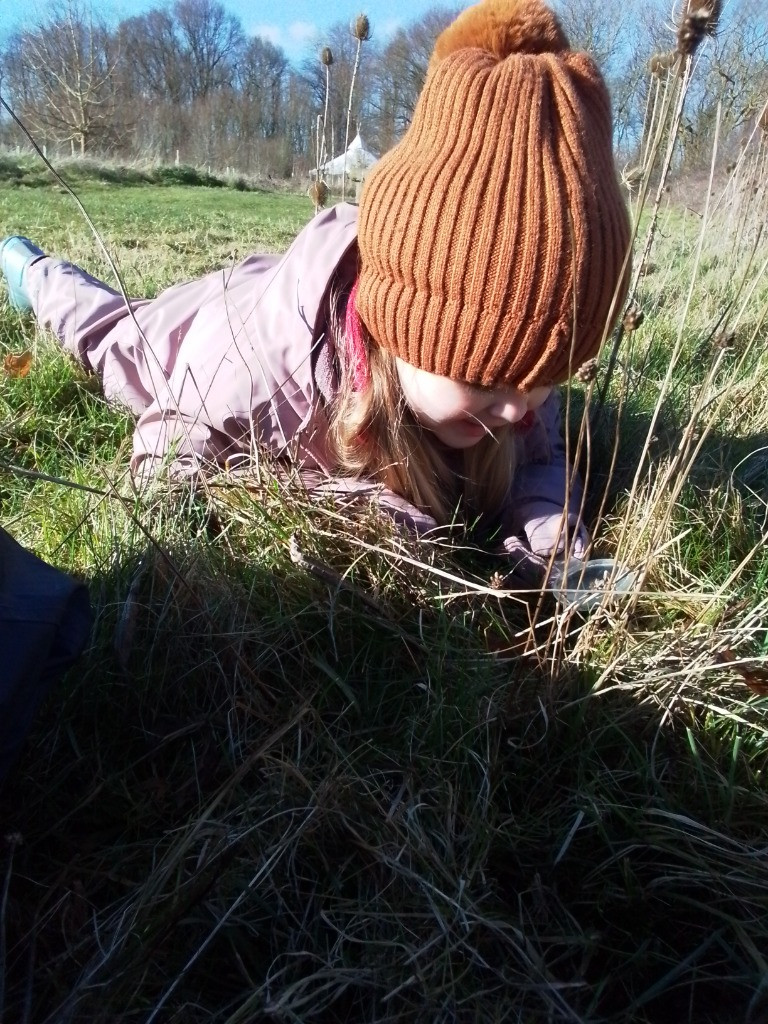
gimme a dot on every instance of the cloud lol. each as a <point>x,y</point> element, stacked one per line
<point>302,31</point>
<point>389,27</point>
<point>273,33</point>
<point>291,38</point>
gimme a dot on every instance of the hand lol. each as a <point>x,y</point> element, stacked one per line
<point>547,535</point>
<point>527,571</point>
<point>532,555</point>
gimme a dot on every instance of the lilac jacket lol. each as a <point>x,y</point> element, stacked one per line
<point>220,368</point>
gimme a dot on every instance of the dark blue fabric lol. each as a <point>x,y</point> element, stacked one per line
<point>45,621</point>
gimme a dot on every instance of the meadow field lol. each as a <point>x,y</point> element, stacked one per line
<point>309,769</point>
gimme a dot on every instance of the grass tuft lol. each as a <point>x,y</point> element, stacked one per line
<point>311,770</point>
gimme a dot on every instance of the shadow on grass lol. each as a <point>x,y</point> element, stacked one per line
<point>261,796</point>
<point>641,886</point>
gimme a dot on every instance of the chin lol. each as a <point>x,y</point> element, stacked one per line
<point>456,440</point>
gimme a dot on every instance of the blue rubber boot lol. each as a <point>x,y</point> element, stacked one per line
<point>15,255</point>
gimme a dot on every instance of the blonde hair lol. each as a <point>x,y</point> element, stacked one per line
<point>374,434</point>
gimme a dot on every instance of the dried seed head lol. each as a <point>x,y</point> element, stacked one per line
<point>632,176</point>
<point>724,341</point>
<point>710,11</point>
<point>496,582</point>
<point>361,28</point>
<point>318,193</point>
<point>326,56</point>
<point>661,62</point>
<point>633,318</point>
<point>699,19</point>
<point>762,121</point>
<point>587,372</point>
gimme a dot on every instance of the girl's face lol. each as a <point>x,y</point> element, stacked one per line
<point>460,414</point>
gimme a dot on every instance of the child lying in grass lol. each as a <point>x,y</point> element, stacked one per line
<point>408,348</point>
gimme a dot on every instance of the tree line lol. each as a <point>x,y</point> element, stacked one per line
<point>185,83</point>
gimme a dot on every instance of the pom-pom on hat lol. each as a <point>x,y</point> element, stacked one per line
<point>493,237</point>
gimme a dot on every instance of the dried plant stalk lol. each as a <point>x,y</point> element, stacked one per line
<point>326,57</point>
<point>361,30</point>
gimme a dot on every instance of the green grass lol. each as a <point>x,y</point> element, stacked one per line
<point>157,236</point>
<point>270,792</point>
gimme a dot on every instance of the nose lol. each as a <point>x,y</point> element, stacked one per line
<point>510,409</point>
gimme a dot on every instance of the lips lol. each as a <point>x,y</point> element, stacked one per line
<point>471,427</point>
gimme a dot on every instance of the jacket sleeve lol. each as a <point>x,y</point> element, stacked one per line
<point>345,490</point>
<point>545,483</point>
<point>179,441</point>
<point>226,388</point>
<point>234,385</point>
<point>243,375</point>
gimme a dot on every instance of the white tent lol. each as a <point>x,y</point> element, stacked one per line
<point>358,159</point>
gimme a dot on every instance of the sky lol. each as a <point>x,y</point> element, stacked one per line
<point>294,25</point>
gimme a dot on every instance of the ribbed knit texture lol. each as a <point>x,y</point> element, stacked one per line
<point>492,237</point>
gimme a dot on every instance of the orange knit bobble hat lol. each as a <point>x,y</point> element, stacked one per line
<point>493,237</point>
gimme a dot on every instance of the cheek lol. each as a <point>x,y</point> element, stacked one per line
<point>538,397</point>
<point>440,399</point>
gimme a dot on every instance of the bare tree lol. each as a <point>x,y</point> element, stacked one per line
<point>261,80</point>
<point>212,40</point>
<point>183,81</point>
<point>399,73</point>
<point>182,53</point>
<point>300,106</point>
<point>60,78</point>
<point>154,63</point>
<point>175,60</point>
<point>732,81</point>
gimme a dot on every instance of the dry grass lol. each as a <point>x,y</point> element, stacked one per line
<point>310,770</point>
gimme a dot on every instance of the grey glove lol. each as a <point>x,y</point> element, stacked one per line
<point>526,570</point>
<point>546,531</point>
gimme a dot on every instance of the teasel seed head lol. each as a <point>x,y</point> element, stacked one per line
<point>762,121</point>
<point>698,19</point>
<point>661,62</point>
<point>711,11</point>
<point>326,56</point>
<point>724,341</point>
<point>633,318</point>
<point>318,193</point>
<point>361,28</point>
<point>587,372</point>
<point>632,176</point>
